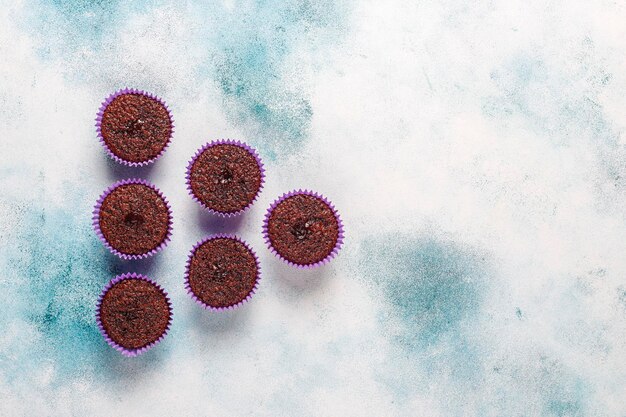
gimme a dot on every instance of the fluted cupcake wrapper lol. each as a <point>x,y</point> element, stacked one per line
<point>340,236</point>
<point>100,114</point>
<point>111,342</point>
<point>208,145</point>
<point>188,267</point>
<point>96,219</point>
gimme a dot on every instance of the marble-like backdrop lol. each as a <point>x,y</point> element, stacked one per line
<point>475,150</point>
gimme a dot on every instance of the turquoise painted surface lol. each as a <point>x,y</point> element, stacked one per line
<point>433,286</point>
<point>243,49</point>
<point>501,124</point>
<point>435,292</point>
<point>54,270</point>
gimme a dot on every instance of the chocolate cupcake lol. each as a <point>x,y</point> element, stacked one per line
<point>222,272</point>
<point>133,314</point>
<point>133,219</point>
<point>303,229</point>
<point>134,127</point>
<point>225,176</point>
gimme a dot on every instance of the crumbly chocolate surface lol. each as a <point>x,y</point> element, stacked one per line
<point>134,313</point>
<point>135,127</point>
<point>134,219</point>
<point>225,177</point>
<point>222,272</point>
<point>303,229</point>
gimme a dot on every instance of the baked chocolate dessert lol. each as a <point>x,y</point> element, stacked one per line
<point>135,127</point>
<point>134,313</point>
<point>133,219</point>
<point>222,272</point>
<point>303,228</point>
<point>225,177</point>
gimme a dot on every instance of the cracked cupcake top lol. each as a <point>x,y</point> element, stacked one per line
<point>225,177</point>
<point>134,313</point>
<point>303,229</point>
<point>134,219</point>
<point>222,272</point>
<point>135,127</point>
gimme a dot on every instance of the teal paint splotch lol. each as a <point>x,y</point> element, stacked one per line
<point>432,291</point>
<point>432,286</point>
<point>63,28</point>
<point>57,269</point>
<point>527,381</point>
<point>562,101</point>
<point>251,48</point>
<point>621,296</point>
<point>562,391</point>
<point>557,99</point>
<point>242,50</point>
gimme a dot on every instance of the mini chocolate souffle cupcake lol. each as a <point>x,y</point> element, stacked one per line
<point>135,127</point>
<point>133,314</point>
<point>303,229</point>
<point>222,272</point>
<point>133,219</point>
<point>225,176</point>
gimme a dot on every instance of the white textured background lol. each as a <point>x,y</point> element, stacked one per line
<point>475,150</point>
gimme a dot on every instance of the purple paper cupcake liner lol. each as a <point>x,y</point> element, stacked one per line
<point>96,219</point>
<point>188,267</point>
<point>208,145</point>
<point>340,236</point>
<point>100,114</point>
<point>111,342</point>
